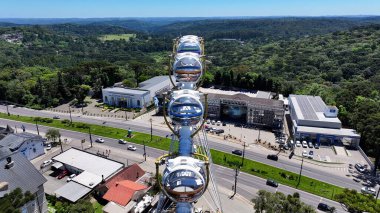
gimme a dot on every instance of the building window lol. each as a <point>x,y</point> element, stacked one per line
<point>138,102</point>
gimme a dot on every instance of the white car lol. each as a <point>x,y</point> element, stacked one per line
<point>304,144</point>
<point>298,143</point>
<point>132,148</point>
<point>218,123</point>
<point>48,147</point>
<point>70,178</point>
<point>368,190</point>
<point>208,121</point>
<point>213,122</point>
<point>46,163</point>
<point>304,153</point>
<point>310,145</point>
<point>99,140</point>
<point>121,141</point>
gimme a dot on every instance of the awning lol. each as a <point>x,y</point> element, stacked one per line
<point>72,191</point>
<point>57,165</point>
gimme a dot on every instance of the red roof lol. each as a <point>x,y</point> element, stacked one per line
<point>132,173</point>
<point>123,191</point>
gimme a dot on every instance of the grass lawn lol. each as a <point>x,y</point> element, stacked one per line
<point>224,159</point>
<point>112,37</point>
<point>97,207</point>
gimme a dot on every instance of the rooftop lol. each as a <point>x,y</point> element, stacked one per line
<point>21,173</point>
<point>123,191</point>
<point>132,173</point>
<point>128,91</point>
<point>248,99</point>
<point>72,191</point>
<point>89,162</point>
<point>15,140</point>
<point>328,131</point>
<point>88,179</point>
<point>154,81</point>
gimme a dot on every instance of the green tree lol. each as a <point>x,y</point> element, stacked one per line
<point>53,134</point>
<point>82,92</point>
<point>12,202</point>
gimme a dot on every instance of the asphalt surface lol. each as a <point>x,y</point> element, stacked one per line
<point>290,165</point>
<point>248,185</point>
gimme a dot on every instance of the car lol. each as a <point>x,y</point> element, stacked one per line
<point>46,163</point>
<point>132,148</point>
<point>272,157</point>
<point>311,154</point>
<point>213,122</point>
<point>208,121</point>
<point>224,124</point>
<point>99,140</point>
<point>218,123</point>
<point>304,144</point>
<point>121,141</point>
<point>316,146</point>
<point>48,147</point>
<point>56,117</point>
<point>359,167</point>
<point>271,182</point>
<point>310,145</point>
<point>218,131</point>
<point>62,174</point>
<point>369,183</point>
<point>237,152</point>
<point>298,144</point>
<point>324,207</point>
<point>70,178</point>
<point>356,180</point>
<point>286,147</point>
<point>304,153</point>
<point>368,190</point>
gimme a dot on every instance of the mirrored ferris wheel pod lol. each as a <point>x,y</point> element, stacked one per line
<point>187,67</point>
<point>190,46</point>
<point>185,108</point>
<point>185,179</point>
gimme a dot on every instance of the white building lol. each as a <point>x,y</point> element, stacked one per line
<point>313,120</point>
<point>28,144</point>
<point>139,97</point>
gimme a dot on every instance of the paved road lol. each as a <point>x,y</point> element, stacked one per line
<point>248,185</point>
<point>283,163</point>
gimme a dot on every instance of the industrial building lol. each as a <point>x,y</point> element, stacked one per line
<point>248,108</point>
<point>28,144</point>
<point>91,170</point>
<point>313,120</point>
<point>136,97</point>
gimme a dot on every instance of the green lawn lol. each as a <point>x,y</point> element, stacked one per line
<point>112,37</point>
<point>97,207</point>
<point>225,159</point>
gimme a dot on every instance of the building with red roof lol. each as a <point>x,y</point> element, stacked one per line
<point>124,191</point>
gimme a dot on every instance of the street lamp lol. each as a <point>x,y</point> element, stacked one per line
<point>38,132</point>
<point>71,120</point>
<point>89,132</point>
<point>242,160</point>
<point>235,186</point>
<point>151,129</point>
<point>299,179</point>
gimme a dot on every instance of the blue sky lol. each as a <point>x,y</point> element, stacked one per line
<point>181,8</point>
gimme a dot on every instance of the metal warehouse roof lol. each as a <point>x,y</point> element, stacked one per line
<point>72,191</point>
<point>328,131</point>
<point>89,162</point>
<point>88,179</point>
<point>154,81</point>
<point>120,90</point>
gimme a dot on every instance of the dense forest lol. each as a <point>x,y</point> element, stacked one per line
<point>336,58</point>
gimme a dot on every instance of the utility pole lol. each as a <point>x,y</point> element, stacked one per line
<point>144,151</point>
<point>38,132</point>
<point>89,132</point>
<point>299,178</point>
<point>258,137</point>
<point>71,120</point>
<point>151,129</point>
<point>235,186</point>
<point>242,160</point>
<point>378,191</point>
<point>60,143</point>
<point>7,109</point>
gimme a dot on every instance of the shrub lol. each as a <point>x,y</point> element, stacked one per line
<point>65,121</point>
<point>81,125</point>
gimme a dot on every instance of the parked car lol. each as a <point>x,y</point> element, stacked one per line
<point>208,121</point>
<point>56,117</point>
<point>121,141</point>
<point>298,143</point>
<point>304,153</point>
<point>48,147</point>
<point>46,163</point>
<point>272,157</point>
<point>99,140</point>
<point>324,207</point>
<point>310,145</point>
<point>224,124</point>
<point>316,146</point>
<point>219,131</point>
<point>271,182</point>
<point>218,123</point>
<point>311,154</point>
<point>368,190</point>
<point>70,178</point>
<point>359,167</point>
<point>132,148</point>
<point>62,174</point>
<point>304,144</point>
<point>356,180</point>
<point>286,147</point>
<point>213,122</point>
<point>237,152</point>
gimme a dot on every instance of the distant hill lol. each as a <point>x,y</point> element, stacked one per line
<point>264,28</point>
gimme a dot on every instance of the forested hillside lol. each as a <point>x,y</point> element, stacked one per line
<point>42,66</point>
